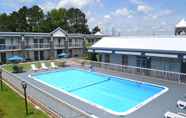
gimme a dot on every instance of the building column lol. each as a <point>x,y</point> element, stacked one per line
<point>52,50</point>
<point>84,45</point>
<point>66,44</point>
<point>181,62</point>
<point>23,45</point>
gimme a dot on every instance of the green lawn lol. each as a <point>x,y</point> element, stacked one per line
<point>12,106</point>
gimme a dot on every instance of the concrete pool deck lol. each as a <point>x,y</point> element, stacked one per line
<point>157,107</point>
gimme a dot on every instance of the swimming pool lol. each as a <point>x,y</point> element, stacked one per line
<point>119,96</point>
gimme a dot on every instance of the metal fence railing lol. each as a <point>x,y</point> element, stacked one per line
<point>37,46</point>
<point>42,96</point>
<point>166,75</point>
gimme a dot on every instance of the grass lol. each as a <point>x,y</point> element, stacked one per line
<point>12,106</point>
<point>26,66</point>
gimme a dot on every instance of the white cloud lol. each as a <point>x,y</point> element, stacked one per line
<point>122,12</point>
<point>162,13</point>
<point>50,4</point>
<point>137,2</point>
<point>25,1</point>
<point>144,8</point>
<point>107,17</point>
<point>77,3</point>
<point>47,6</point>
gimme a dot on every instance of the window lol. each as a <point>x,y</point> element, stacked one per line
<point>70,42</point>
<point>100,57</point>
<point>59,42</point>
<point>124,60</point>
<point>107,58</point>
<point>143,62</point>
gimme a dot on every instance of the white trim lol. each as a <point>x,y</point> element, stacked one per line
<point>89,50</point>
<point>103,51</point>
<point>161,55</point>
<point>184,57</point>
<point>128,53</point>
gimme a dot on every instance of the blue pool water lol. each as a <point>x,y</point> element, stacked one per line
<point>113,93</point>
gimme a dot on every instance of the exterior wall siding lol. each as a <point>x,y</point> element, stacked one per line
<point>117,59</point>
<point>132,60</point>
<point>167,64</point>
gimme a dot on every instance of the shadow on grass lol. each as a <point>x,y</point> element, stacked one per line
<point>1,113</point>
<point>30,113</point>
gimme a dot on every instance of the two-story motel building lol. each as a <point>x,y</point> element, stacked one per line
<point>42,46</point>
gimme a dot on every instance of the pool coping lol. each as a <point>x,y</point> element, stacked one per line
<point>129,111</point>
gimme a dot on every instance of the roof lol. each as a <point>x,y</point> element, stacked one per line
<point>23,33</point>
<point>181,24</point>
<point>58,32</point>
<point>158,44</point>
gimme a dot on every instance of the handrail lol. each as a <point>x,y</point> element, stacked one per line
<point>169,75</point>
<point>133,67</point>
<point>48,94</point>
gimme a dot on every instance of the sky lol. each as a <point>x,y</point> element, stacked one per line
<point>124,17</point>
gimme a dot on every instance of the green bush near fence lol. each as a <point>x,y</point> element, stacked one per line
<point>17,69</point>
<point>27,67</point>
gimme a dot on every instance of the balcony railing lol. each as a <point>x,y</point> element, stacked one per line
<point>76,45</point>
<point>37,46</point>
<point>9,47</point>
<point>59,46</point>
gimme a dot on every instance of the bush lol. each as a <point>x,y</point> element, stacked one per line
<point>83,63</point>
<point>61,64</point>
<point>17,69</point>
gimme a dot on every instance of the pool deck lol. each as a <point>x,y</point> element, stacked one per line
<point>157,107</point>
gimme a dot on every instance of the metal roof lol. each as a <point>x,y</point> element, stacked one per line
<point>146,44</point>
<point>13,34</point>
<point>181,24</point>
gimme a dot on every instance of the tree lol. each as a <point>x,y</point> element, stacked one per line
<point>13,25</point>
<point>22,23</point>
<point>95,30</point>
<point>4,22</point>
<point>77,21</point>
<point>54,19</point>
<point>34,18</point>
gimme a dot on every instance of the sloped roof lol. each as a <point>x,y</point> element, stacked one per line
<point>170,44</point>
<point>59,32</point>
<point>181,24</point>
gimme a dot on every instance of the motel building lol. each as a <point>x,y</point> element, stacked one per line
<point>166,53</point>
<point>43,46</point>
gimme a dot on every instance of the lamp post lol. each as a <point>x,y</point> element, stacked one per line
<point>24,86</point>
<point>1,80</point>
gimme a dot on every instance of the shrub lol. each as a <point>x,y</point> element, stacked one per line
<point>83,63</point>
<point>61,64</point>
<point>17,69</point>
